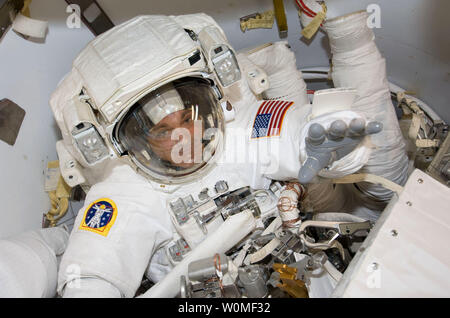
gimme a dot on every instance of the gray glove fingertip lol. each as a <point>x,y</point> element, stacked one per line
<point>374,127</point>
<point>306,173</point>
<point>337,129</point>
<point>357,126</point>
<point>312,166</point>
<point>316,134</point>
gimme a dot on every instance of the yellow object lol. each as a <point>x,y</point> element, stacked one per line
<point>428,143</point>
<point>280,15</point>
<point>26,8</point>
<point>258,21</point>
<point>59,198</point>
<point>311,29</point>
<point>290,284</point>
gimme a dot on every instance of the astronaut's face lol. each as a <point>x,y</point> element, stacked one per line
<point>174,131</point>
<point>176,136</point>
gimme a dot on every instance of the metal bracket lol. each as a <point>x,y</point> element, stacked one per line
<point>352,227</point>
<point>343,228</point>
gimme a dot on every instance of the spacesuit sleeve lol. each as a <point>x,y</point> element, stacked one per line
<point>276,155</point>
<point>278,125</point>
<point>115,234</point>
<point>285,85</point>
<point>28,263</point>
<point>358,63</point>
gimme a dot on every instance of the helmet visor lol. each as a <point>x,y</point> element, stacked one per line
<point>173,132</point>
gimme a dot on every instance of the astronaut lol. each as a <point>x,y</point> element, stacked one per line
<point>160,114</point>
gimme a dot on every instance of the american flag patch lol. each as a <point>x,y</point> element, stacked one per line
<point>269,118</point>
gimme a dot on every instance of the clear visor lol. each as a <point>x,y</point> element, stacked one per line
<point>174,131</point>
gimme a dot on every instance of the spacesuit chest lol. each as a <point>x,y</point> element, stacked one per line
<point>198,209</point>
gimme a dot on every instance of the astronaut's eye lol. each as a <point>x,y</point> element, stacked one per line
<point>163,133</point>
<point>187,118</point>
<point>160,133</point>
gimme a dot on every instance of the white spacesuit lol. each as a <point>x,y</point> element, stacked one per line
<point>29,263</point>
<point>160,118</point>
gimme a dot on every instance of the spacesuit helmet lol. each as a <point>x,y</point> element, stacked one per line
<point>129,91</point>
<point>173,132</point>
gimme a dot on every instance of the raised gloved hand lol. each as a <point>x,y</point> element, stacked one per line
<point>326,145</point>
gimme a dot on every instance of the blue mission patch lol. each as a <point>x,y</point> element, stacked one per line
<point>99,216</point>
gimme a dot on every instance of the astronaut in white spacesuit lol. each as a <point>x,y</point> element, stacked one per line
<point>160,114</point>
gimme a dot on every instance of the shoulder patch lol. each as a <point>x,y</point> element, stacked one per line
<point>269,118</point>
<point>99,217</point>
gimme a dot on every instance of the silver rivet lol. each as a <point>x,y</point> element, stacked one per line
<point>394,233</point>
<point>374,266</point>
<point>420,181</point>
<point>409,203</point>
